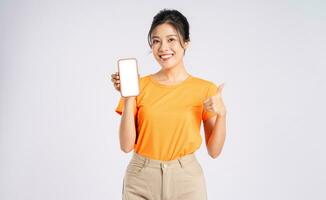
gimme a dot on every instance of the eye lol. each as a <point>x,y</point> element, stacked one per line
<point>171,39</point>
<point>154,41</point>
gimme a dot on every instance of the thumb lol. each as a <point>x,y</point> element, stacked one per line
<point>220,88</point>
<point>209,99</point>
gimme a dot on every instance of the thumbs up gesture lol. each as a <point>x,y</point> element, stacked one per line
<point>215,103</point>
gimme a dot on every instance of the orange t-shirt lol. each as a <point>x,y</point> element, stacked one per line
<point>169,116</point>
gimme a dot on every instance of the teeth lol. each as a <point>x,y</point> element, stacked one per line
<point>166,56</point>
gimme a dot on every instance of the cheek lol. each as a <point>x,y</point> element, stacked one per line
<point>178,48</point>
<point>176,45</point>
<point>155,52</point>
<point>155,47</point>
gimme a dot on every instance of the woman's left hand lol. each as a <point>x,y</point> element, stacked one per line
<point>215,103</point>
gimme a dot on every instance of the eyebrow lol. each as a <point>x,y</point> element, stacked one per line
<point>166,36</point>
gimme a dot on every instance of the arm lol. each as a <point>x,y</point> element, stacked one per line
<point>127,130</point>
<point>215,131</point>
<point>215,127</point>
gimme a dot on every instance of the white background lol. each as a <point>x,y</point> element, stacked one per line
<point>58,129</point>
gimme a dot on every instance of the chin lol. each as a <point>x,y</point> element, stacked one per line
<point>167,66</point>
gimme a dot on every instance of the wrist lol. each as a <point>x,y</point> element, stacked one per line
<point>127,99</point>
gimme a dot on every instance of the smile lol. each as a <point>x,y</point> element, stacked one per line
<point>166,57</point>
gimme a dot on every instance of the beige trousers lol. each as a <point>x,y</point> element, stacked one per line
<point>179,179</point>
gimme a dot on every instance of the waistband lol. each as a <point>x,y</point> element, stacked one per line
<point>146,161</point>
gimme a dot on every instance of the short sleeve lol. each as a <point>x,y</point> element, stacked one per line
<point>120,106</point>
<point>212,90</point>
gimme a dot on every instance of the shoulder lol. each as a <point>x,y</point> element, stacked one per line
<point>208,87</point>
<point>144,78</point>
<point>203,82</point>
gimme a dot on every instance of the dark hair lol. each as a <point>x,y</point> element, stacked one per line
<point>173,17</point>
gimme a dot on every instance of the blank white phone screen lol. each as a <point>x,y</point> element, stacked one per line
<point>128,77</point>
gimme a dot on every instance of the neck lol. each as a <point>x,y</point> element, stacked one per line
<point>175,73</point>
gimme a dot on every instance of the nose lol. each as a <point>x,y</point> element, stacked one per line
<point>164,46</point>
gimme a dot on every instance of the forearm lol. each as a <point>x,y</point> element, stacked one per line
<point>127,132</point>
<point>217,137</point>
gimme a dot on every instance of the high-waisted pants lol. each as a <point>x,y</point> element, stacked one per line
<point>149,179</point>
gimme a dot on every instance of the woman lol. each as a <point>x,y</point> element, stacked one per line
<point>162,124</point>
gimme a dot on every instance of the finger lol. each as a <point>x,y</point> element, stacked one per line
<point>219,91</point>
<point>208,108</point>
<point>115,78</point>
<point>207,100</point>
<point>220,88</point>
<point>208,103</point>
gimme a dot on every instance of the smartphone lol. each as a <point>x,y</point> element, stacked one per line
<point>129,79</point>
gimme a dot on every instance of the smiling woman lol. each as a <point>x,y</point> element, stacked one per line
<point>178,22</point>
<point>167,46</point>
<point>168,37</point>
<point>162,124</point>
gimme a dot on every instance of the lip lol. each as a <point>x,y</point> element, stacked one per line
<point>165,54</point>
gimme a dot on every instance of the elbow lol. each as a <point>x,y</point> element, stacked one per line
<point>215,154</point>
<point>126,149</point>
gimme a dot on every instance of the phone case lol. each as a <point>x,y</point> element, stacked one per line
<point>124,91</point>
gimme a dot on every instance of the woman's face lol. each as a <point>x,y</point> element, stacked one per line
<point>166,46</point>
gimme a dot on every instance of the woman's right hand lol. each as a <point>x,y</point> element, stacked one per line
<point>115,78</point>
<point>116,81</point>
